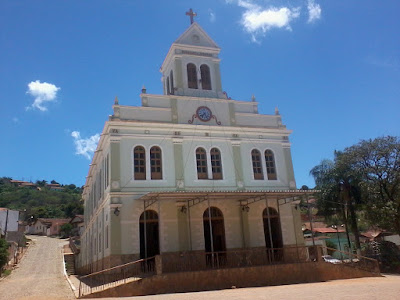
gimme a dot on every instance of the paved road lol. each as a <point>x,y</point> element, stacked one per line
<point>39,275</point>
<point>373,288</point>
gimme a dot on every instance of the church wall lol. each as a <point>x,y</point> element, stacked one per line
<point>245,107</point>
<point>247,147</point>
<point>169,232</point>
<point>159,102</point>
<point>256,225</point>
<point>190,170</point>
<point>233,236</point>
<point>251,119</point>
<point>219,108</point>
<point>127,175</point>
<point>287,224</point>
<point>129,223</point>
<point>148,114</point>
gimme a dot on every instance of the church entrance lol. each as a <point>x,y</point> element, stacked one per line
<point>214,236</point>
<point>272,233</point>
<point>149,234</point>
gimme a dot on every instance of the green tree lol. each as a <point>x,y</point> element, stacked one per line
<point>3,253</point>
<point>65,230</point>
<point>340,192</point>
<point>378,163</point>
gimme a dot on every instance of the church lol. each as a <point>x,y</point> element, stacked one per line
<point>190,172</point>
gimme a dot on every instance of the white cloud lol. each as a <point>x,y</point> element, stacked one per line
<point>43,93</point>
<point>85,147</point>
<point>314,11</point>
<point>213,17</point>
<point>257,20</point>
<point>15,120</point>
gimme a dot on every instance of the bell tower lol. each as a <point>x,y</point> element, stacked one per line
<point>191,67</point>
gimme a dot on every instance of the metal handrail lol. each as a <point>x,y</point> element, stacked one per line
<point>73,247</point>
<point>114,276</point>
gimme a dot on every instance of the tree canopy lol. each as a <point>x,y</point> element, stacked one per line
<point>43,202</point>
<point>362,178</point>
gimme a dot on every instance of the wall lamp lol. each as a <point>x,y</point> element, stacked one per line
<point>183,209</point>
<point>117,211</point>
<point>245,208</point>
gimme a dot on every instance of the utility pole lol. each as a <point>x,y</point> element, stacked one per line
<point>5,229</point>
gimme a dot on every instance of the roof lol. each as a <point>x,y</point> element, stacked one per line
<point>77,219</point>
<point>203,39</point>
<point>328,230</point>
<point>53,221</point>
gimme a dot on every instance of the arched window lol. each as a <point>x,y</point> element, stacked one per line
<point>192,76</point>
<point>216,163</point>
<point>205,77</point>
<point>201,160</point>
<point>139,163</point>
<point>270,164</point>
<point>257,165</point>
<point>155,163</point>
<point>171,75</point>
<point>167,84</point>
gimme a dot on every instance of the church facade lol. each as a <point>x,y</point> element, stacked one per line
<point>189,171</point>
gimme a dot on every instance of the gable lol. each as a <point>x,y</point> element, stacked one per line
<point>196,36</point>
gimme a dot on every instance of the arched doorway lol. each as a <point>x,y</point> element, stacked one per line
<point>149,234</point>
<point>272,233</point>
<point>214,235</point>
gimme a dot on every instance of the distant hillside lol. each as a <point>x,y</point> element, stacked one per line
<point>40,199</point>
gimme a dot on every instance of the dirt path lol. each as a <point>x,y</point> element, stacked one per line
<point>39,274</point>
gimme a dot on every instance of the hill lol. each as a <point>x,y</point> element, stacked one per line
<point>40,199</point>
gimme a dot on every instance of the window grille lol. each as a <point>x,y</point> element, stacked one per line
<point>257,166</point>
<point>139,161</point>
<point>201,159</point>
<point>156,163</point>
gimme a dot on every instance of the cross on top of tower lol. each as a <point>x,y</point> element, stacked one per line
<point>191,14</point>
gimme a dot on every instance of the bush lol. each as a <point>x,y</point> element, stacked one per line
<point>3,253</point>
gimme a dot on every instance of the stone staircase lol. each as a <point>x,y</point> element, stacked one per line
<point>69,259</point>
<point>69,263</point>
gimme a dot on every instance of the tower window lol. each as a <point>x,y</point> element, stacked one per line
<point>167,84</point>
<point>270,164</point>
<point>205,77</point>
<point>139,162</point>
<point>257,166</point>
<point>171,75</point>
<point>192,76</point>
<point>201,160</point>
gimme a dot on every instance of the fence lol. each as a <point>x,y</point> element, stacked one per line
<point>357,261</point>
<point>201,260</point>
<point>115,276</point>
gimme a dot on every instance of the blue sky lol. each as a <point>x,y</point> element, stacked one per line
<point>331,67</point>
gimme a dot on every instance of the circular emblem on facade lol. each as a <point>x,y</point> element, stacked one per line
<point>195,38</point>
<point>204,113</point>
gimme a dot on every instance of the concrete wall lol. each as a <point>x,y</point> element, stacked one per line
<point>238,277</point>
<point>11,220</point>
